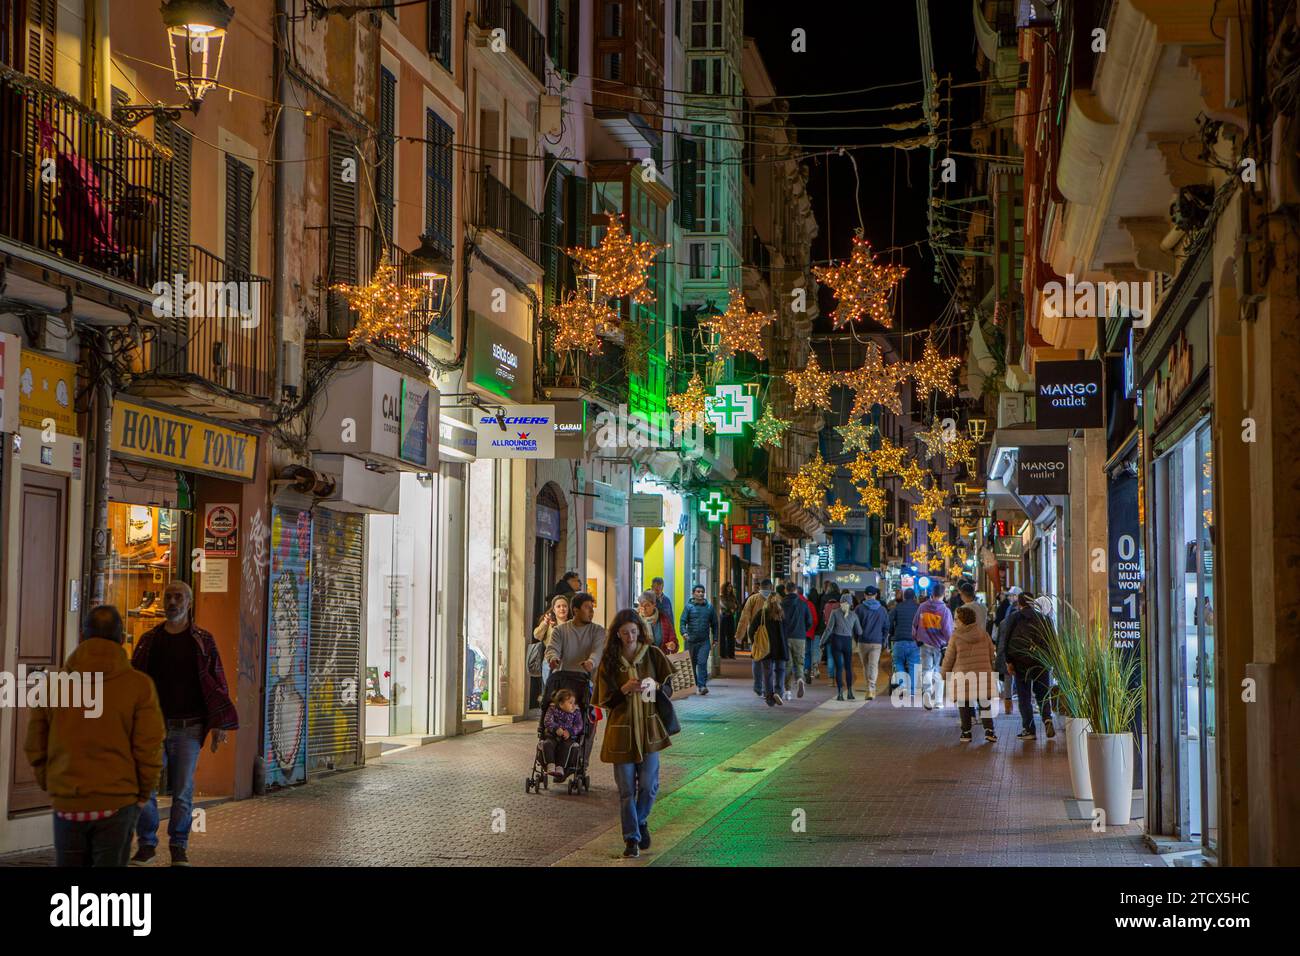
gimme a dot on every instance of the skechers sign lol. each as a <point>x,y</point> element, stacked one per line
<point>1043,470</point>
<point>1070,394</point>
<point>522,431</point>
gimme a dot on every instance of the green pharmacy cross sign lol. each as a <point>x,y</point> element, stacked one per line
<point>715,507</point>
<point>729,409</point>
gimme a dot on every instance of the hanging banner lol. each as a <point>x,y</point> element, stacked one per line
<point>1124,533</point>
<point>742,534</point>
<point>609,507</point>
<point>548,523</point>
<point>570,429</point>
<point>1070,394</point>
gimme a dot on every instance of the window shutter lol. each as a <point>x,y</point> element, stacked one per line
<point>341,237</point>
<point>438,176</point>
<point>239,218</point>
<point>438,17</point>
<point>580,213</point>
<point>181,143</point>
<point>387,153</point>
<point>553,255</point>
<point>40,39</point>
<point>684,179</point>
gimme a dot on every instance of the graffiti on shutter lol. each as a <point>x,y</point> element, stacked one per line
<point>336,694</point>
<point>285,743</point>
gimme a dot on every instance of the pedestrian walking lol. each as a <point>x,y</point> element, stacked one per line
<point>754,605</point>
<point>795,675</point>
<point>554,616</point>
<point>568,586</point>
<point>811,655</point>
<point>699,626</point>
<point>1005,606</point>
<point>666,605</point>
<point>632,672</point>
<point>563,723</point>
<point>932,629</point>
<point>1027,628</point>
<point>842,627</point>
<point>183,660</point>
<point>728,608</point>
<point>99,764</point>
<point>903,648</point>
<point>658,627</point>
<point>968,669</point>
<point>966,594</point>
<point>773,663</point>
<point>874,621</point>
<point>576,645</point>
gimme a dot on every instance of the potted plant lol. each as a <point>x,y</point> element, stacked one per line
<point>1063,650</point>
<point>1114,691</point>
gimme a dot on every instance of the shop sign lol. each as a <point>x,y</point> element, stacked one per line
<point>730,409</point>
<point>499,362</point>
<point>1173,382</point>
<point>1008,549</point>
<point>570,429</point>
<point>1070,394</point>
<point>373,411</point>
<point>781,559</point>
<point>151,434</point>
<point>646,511</point>
<point>1124,534</point>
<point>45,390</point>
<point>10,354</point>
<point>856,521</point>
<point>457,439</point>
<point>742,534</point>
<point>548,523</point>
<point>825,558</point>
<point>221,531</point>
<point>517,431</point>
<point>417,442</point>
<point>609,507</point>
<point>1043,470</point>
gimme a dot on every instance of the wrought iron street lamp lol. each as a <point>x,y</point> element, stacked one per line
<point>196,39</point>
<point>432,267</point>
<point>977,428</point>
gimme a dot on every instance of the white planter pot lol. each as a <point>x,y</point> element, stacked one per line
<point>1076,749</point>
<point>1110,765</point>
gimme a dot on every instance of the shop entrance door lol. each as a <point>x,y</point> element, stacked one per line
<point>43,533</point>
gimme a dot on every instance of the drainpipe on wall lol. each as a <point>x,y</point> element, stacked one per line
<point>101,429</point>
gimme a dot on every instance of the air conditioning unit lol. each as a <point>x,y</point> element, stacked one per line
<point>1013,409</point>
<point>550,111</point>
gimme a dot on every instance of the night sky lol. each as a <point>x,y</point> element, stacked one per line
<point>851,47</point>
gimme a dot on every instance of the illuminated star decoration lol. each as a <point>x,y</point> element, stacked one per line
<point>947,549</point>
<point>838,512</point>
<point>919,555</point>
<point>856,436</point>
<point>812,480</point>
<point>618,263</point>
<point>937,537</point>
<point>961,448</point>
<point>889,457</point>
<point>812,386</point>
<point>768,428</point>
<point>860,469</point>
<point>934,372</point>
<point>873,499</point>
<point>383,308</point>
<point>690,407</point>
<point>904,534</point>
<point>932,499</point>
<point>876,383</point>
<point>933,439</point>
<point>738,329</point>
<point>914,478</point>
<point>580,322</point>
<point>862,286</point>
<point>936,564</point>
<point>819,470</point>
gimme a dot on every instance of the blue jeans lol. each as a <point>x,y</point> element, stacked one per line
<point>637,785</point>
<point>104,842</point>
<point>931,662</point>
<point>699,651</point>
<point>906,657</point>
<point>758,676</point>
<point>841,653</point>
<point>180,756</point>
<point>812,653</point>
<point>773,676</point>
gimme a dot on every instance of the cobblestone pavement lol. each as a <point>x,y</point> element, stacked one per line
<point>871,784</point>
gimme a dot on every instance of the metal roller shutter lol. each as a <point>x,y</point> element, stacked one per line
<point>336,695</point>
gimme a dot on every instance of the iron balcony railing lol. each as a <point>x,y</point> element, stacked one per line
<point>348,255</point>
<point>603,375</point>
<point>77,185</point>
<point>502,210</point>
<point>524,39</point>
<point>215,324</point>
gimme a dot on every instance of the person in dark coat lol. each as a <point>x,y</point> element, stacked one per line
<point>568,586</point>
<point>903,649</point>
<point>728,608</point>
<point>1026,627</point>
<point>773,665</point>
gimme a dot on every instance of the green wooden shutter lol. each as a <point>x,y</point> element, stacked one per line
<point>387,153</point>
<point>554,235</point>
<point>684,180</point>
<point>239,218</point>
<point>438,175</point>
<point>341,237</point>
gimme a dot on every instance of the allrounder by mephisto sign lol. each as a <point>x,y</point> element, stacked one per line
<point>1070,394</point>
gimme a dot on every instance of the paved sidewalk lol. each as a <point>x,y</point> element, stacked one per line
<point>876,785</point>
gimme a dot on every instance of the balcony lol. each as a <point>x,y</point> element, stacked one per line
<point>524,39</point>
<point>348,254</point>
<point>575,374</point>
<point>219,332</point>
<point>501,210</point>
<point>77,186</point>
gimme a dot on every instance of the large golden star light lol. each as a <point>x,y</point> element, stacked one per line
<point>856,436</point>
<point>738,329</point>
<point>936,564</point>
<point>838,512</point>
<point>812,386</point>
<point>876,383</point>
<point>383,308</point>
<point>961,448</point>
<point>934,373</point>
<point>820,470</point>
<point>580,322</point>
<point>919,555</point>
<point>689,406</point>
<point>947,549</point>
<point>619,263</point>
<point>860,469</point>
<point>933,439</point>
<point>937,537</point>
<point>768,428</point>
<point>804,490</point>
<point>932,499</point>
<point>873,499</point>
<point>914,478</point>
<point>889,457</point>
<point>862,286</point>
<point>904,534</point>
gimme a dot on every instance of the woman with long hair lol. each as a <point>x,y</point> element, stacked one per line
<point>728,608</point>
<point>778,652</point>
<point>632,669</point>
<point>556,614</point>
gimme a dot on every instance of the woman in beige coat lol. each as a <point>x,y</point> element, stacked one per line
<point>968,669</point>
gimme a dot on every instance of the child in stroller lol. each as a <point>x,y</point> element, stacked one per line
<point>564,734</point>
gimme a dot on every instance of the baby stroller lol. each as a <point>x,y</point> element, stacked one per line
<point>575,765</point>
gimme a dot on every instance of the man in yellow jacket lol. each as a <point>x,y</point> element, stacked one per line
<point>98,765</point>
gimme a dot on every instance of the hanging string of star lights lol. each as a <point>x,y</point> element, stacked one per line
<point>580,323</point>
<point>838,512</point>
<point>812,386</point>
<point>689,407</point>
<point>619,263</point>
<point>904,534</point>
<point>860,469</point>
<point>383,308</point>
<point>933,439</point>
<point>932,500</point>
<point>961,448</point>
<point>914,478</point>
<point>812,480</point>
<point>862,286</point>
<point>738,329</point>
<point>876,383</point>
<point>873,499</point>
<point>768,428</point>
<point>934,373</point>
<point>936,564</point>
<point>937,537</point>
<point>918,555</point>
<point>856,436</point>
<point>889,458</point>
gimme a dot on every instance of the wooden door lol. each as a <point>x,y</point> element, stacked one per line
<point>43,524</point>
